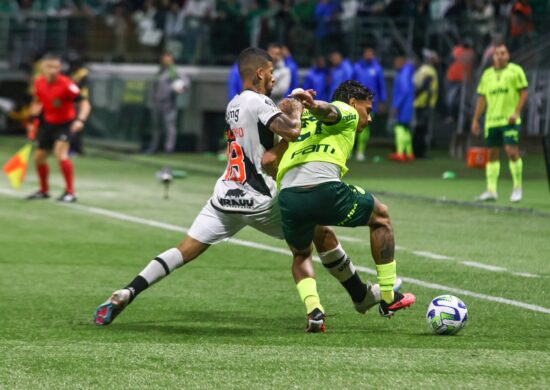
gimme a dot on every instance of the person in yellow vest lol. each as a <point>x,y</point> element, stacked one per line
<point>425,98</point>
<point>502,94</point>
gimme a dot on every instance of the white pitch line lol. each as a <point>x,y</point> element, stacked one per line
<point>250,244</point>
<point>487,267</point>
<point>425,254</point>
<point>526,274</point>
<point>431,255</point>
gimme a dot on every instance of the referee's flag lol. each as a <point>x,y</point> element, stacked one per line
<point>16,167</point>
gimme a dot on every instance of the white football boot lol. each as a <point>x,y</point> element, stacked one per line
<point>516,196</point>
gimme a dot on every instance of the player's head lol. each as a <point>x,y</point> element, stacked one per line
<point>369,54</point>
<point>358,96</point>
<point>167,59</point>
<point>501,56</point>
<point>51,66</point>
<point>335,58</point>
<point>320,62</point>
<point>256,70</point>
<point>275,50</point>
<point>399,61</point>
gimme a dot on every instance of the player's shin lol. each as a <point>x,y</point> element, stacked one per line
<point>339,265</point>
<point>160,267</point>
<point>492,171</point>
<point>386,275</point>
<point>43,170</point>
<point>307,289</point>
<point>516,169</point>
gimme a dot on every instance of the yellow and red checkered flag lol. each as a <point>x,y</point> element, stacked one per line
<point>16,167</point>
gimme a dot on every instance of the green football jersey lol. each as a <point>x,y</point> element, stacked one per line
<point>322,142</point>
<point>501,90</point>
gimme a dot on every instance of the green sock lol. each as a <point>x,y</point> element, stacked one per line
<point>307,288</point>
<point>408,142</point>
<point>492,170</point>
<point>400,139</point>
<point>362,140</point>
<point>516,169</point>
<point>386,275</point>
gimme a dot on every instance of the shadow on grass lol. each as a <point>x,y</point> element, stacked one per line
<point>206,323</point>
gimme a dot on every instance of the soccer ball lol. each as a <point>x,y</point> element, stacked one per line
<point>446,315</point>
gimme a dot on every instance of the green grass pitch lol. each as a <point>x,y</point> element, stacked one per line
<point>233,319</point>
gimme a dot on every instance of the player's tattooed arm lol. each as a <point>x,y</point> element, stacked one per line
<point>272,158</point>
<point>324,111</point>
<point>288,123</point>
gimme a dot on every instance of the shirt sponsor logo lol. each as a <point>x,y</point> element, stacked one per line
<point>349,117</point>
<point>319,148</point>
<point>499,91</point>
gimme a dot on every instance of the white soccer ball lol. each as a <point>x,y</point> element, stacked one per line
<point>446,315</point>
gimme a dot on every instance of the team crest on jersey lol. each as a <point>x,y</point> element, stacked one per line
<point>56,102</point>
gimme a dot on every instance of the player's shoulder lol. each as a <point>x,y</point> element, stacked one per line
<point>64,79</point>
<point>40,81</point>
<point>343,107</point>
<point>515,68</point>
<point>488,72</point>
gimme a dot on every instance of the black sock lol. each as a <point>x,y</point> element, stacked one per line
<point>136,286</point>
<point>355,288</point>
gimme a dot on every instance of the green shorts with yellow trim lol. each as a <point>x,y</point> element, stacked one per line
<point>327,204</point>
<point>504,135</point>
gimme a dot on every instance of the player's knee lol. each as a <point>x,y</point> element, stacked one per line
<point>380,215</point>
<point>301,254</point>
<point>325,238</point>
<point>190,248</point>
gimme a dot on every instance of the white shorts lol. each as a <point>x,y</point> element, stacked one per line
<point>212,226</point>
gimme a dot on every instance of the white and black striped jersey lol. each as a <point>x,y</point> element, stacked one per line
<point>245,187</point>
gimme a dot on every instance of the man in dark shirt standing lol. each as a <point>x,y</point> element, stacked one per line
<point>166,88</point>
<point>55,96</point>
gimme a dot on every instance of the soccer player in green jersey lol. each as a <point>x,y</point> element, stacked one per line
<point>312,193</point>
<point>502,92</point>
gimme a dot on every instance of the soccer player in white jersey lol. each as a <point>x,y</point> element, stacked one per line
<point>246,195</point>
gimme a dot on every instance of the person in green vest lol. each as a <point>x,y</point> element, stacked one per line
<point>312,193</point>
<point>502,93</point>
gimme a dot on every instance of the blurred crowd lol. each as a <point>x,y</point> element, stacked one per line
<point>195,29</point>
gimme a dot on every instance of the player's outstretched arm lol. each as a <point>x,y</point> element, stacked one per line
<point>288,123</point>
<point>321,110</point>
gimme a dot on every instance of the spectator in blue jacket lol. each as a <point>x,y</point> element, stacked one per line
<point>293,66</point>
<point>317,79</point>
<point>402,108</point>
<point>341,70</point>
<point>234,83</point>
<point>369,73</point>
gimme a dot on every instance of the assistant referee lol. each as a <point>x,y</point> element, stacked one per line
<point>55,98</point>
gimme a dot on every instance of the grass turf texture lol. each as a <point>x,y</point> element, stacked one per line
<point>232,319</point>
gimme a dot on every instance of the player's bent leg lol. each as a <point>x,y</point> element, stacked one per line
<point>339,265</point>
<point>383,249</point>
<point>209,227</point>
<point>42,169</point>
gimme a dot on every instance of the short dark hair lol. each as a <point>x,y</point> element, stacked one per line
<point>352,89</point>
<point>51,57</point>
<point>250,60</point>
